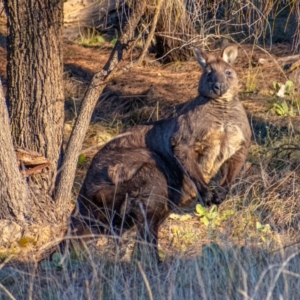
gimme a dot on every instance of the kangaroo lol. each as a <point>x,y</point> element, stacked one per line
<point>126,187</point>
<point>209,139</point>
<point>162,164</point>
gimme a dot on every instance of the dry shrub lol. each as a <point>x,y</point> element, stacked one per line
<point>244,20</point>
<point>270,187</point>
<point>185,22</point>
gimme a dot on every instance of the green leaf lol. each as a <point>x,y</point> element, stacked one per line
<point>205,221</point>
<point>114,41</point>
<point>212,215</point>
<point>278,109</point>
<point>275,85</point>
<point>81,159</point>
<point>213,209</point>
<point>288,85</point>
<point>201,210</point>
<point>56,258</point>
<point>100,39</point>
<point>259,226</point>
<point>285,106</point>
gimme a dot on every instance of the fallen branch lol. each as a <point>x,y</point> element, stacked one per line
<point>288,59</point>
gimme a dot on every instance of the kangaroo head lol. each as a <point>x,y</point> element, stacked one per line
<point>219,79</point>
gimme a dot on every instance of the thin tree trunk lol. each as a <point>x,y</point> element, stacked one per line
<point>121,49</point>
<point>35,85</point>
<point>151,32</point>
<point>13,192</point>
<point>174,29</point>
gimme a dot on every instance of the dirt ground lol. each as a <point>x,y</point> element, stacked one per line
<point>150,93</point>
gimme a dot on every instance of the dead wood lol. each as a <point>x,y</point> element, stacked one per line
<point>30,158</point>
<point>288,59</point>
<point>31,162</point>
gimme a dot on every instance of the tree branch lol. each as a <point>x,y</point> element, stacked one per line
<point>98,83</point>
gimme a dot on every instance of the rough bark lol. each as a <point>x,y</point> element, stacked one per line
<point>13,192</point>
<point>35,85</point>
<point>120,51</point>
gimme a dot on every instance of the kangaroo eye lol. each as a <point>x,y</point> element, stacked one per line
<point>208,72</point>
<point>228,72</point>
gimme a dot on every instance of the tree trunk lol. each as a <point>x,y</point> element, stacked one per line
<point>35,85</point>
<point>173,32</point>
<point>13,193</point>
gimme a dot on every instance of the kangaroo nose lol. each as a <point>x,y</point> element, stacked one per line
<point>219,88</point>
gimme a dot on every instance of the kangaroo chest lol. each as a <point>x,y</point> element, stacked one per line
<point>216,145</point>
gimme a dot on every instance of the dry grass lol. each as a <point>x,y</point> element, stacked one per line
<point>264,22</point>
<point>218,271</point>
<point>253,254</point>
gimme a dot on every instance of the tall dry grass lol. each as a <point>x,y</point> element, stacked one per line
<point>216,272</point>
<point>185,22</point>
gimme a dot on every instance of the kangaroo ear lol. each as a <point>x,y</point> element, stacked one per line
<point>201,57</point>
<point>230,54</point>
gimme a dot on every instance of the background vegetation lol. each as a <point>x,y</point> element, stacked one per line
<point>247,248</point>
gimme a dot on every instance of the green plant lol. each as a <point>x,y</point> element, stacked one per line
<point>263,229</point>
<point>211,217</point>
<point>251,80</point>
<point>81,159</point>
<point>73,260</point>
<point>90,37</point>
<point>54,264</point>
<point>283,109</point>
<point>114,40</point>
<point>282,90</point>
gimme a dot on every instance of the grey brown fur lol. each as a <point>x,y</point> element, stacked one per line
<point>125,187</point>
<point>204,146</point>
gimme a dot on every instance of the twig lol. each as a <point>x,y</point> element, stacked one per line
<point>10,296</point>
<point>151,33</point>
<point>145,280</point>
